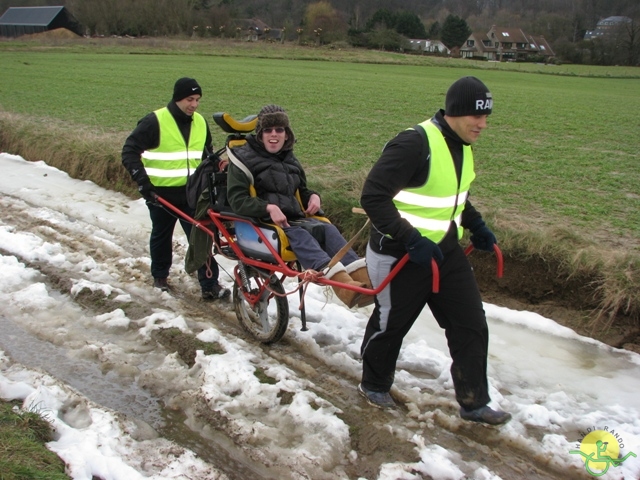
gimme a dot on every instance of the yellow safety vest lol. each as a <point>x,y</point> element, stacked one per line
<point>432,207</point>
<point>172,161</point>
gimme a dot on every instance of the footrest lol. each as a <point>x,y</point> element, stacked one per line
<point>228,252</point>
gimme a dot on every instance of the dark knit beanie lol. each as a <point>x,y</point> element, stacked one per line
<point>274,116</point>
<point>468,96</point>
<point>185,87</point>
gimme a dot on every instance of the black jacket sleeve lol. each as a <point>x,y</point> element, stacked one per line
<point>303,189</point>
<point>145,136</point>
<point>208,144</point>
<point>401,165</point>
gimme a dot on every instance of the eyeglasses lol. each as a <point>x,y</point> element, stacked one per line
<point>276,129</point>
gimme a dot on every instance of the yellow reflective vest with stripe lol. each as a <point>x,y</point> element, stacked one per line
<point>172,161</point>
<point>432,207</point>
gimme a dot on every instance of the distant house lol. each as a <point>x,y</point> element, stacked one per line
<point>18,21</point>
<point>478,45</point>
<point>606,26</point>
<point>506,44</point>
<point>430,46</point>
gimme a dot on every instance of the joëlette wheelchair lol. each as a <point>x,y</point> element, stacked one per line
<point>261,250</point>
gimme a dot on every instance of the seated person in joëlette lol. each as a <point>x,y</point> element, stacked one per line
<point>268,157</point>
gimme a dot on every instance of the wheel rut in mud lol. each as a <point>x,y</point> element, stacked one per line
<point>377,436</point>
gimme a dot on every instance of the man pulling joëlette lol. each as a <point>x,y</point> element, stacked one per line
<point>416,196</point>
<point>165,148</point>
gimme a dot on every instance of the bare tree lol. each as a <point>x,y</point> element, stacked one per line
<point>558,20</point>
<point>84,12</point>
<point>629,42</point>
<point>325,21</point>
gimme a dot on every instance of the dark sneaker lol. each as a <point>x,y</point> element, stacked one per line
<point>485,415</point>
<point>377,399</point>
<point>216,293</point>
<point>161,283</point>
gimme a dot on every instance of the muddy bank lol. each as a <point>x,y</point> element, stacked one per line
<point>533,284</point>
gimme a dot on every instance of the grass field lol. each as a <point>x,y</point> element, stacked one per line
<point>560,154</point>
<point>23,454</point>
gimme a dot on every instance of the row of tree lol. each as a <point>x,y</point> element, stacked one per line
<point>383,24</point>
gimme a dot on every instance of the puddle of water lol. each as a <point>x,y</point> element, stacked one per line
<point>210,444</point>
<point>86,377</point>
<point>113,392</point>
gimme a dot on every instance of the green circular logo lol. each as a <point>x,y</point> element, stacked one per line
<point>598,449</point>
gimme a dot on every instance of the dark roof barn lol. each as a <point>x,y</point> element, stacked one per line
<point>18,21</point>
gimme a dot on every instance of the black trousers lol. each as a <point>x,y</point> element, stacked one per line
<point>457,308</point>
<point>163,224</point>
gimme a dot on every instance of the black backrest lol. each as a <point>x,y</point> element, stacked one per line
<point>237,130</point>
<point>218,192</point>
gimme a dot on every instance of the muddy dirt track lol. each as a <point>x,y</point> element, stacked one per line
<point>377,437</point>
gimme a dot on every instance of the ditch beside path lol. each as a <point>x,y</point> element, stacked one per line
<point>530,285</point>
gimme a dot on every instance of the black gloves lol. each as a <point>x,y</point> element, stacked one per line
<point>147,190</point>
<point>422,250</point>
<point>481,237</point>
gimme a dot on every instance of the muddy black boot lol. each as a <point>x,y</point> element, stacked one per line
<point>162,284</point>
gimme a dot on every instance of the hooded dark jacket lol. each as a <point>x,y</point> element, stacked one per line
<point>276,177</point>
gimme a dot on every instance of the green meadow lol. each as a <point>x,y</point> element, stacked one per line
<point>558,167</point>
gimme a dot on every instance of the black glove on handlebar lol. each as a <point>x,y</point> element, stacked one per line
<point>147,190</point>
<point>421,250</point>
<point>481,237</point>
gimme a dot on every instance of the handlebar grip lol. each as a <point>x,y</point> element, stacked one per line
<point>499,258</point>
<point>435,275</point>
